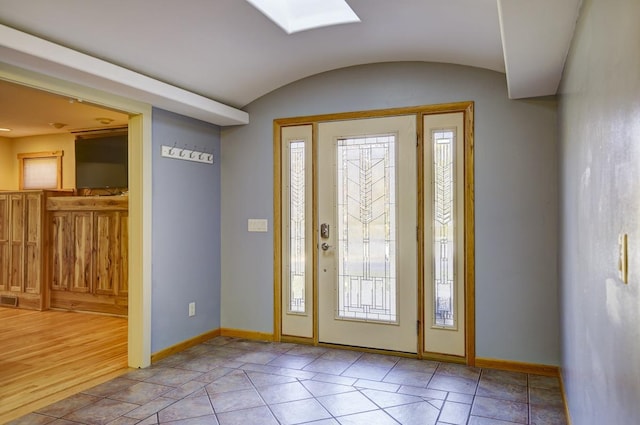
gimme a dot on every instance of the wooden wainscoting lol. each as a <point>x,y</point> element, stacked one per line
<point>46,356</point>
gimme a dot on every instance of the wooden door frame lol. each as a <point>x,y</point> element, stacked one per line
<point>140,179</point>
<point>467,108</point>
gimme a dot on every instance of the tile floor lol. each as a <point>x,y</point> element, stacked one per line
<point>230,381</point>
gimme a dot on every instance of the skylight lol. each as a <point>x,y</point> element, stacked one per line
<point>301,15</point>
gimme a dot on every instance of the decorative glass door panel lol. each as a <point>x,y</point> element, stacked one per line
<point>297,233</point>
<point>367,270</point>
<point>442,143</point>
<point>366,228</point>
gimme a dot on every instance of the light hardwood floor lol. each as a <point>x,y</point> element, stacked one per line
<point>46,356</point>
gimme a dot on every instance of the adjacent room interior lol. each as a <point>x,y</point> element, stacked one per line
<point>63,244</point>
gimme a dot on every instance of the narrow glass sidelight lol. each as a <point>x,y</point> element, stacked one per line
<point>297,240</point>
<point>366,228</point>
<point>444,285</point>
<point>296,207</point>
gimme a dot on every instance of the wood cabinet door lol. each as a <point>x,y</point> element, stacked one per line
<point>72,251</point>
<point>32,242</point>
<point>61,266</point>
<point>107,252</point>
<point>82,243</point>
<point>16,242</point>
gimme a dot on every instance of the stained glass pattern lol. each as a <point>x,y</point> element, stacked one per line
<point>297,187</point>
<point>366,198</point>
<point>443,228</point>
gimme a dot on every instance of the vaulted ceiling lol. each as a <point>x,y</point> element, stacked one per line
<point>227,53</point>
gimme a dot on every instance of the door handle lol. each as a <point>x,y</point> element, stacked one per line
<point>325,246</point>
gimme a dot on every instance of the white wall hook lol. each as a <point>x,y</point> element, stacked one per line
<point>186,154</point>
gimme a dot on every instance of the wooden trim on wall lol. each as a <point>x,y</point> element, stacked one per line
<point>563,391</point>
<point>199,339</point>
<point>469,235</point>
<point>316,224</point>
<point>45,154</point>
<point>241,333</point>
<point>277,232</point>
<point>533,368</point>
<point>420,239</point>
<point>181,346</point>
<point>375,113</point>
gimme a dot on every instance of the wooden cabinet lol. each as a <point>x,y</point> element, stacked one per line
<point>88,265</point>
<point>21,248</point>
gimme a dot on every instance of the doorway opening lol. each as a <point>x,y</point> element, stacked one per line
<point>138,120</point>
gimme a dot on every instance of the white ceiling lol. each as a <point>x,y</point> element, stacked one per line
<point>229,52</point>
<point>34,112</point>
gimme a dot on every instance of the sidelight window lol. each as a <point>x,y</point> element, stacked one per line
<point>443,143</point>
<point>297,228</point>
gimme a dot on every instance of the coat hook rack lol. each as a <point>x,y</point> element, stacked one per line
<point>187,154</point>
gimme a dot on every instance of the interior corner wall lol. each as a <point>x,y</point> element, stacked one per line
<point>6,164</point>
<point>515,193</point>
<point>599,121</point>
<point>185,232</point>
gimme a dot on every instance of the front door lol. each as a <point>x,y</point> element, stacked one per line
<point>375,245</point>
<point>367,233</point>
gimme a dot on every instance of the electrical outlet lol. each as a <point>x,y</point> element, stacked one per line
<point>192,309</point>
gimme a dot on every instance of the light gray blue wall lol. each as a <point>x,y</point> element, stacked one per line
<point>600,192</point>
<point>186,232</point>
<point>516,197</point>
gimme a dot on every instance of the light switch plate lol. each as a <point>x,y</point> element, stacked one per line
<point>257,225</point>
